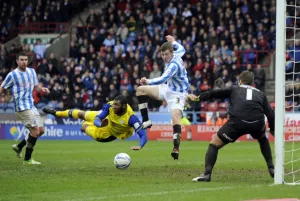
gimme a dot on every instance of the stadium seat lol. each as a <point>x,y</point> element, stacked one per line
<point>10,106</point>
<point>223,106</point>
<point>2,106</point>
<point>204,106</point>
<point>212,107</point>
<point>9,109</point>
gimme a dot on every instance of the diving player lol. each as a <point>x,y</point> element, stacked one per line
<point>115,120</point>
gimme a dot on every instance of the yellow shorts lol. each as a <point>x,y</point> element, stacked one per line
<point>101,133</point>
<point>98,133</point>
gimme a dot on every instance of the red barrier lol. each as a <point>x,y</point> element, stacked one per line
<point>202,132</point>
<point>44,27</point>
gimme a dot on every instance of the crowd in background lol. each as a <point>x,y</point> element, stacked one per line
<point>116,46</point>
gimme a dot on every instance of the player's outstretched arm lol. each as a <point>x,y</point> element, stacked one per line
<point>42,89</point>
<point>137,125</point>
<point>193,97</point>
<point>218,93</point>
<point>37,86</point>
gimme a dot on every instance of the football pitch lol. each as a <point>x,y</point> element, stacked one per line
<point>84,170</point>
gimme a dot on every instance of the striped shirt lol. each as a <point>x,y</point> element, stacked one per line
<point>175,73</point>
<point>22,84</point>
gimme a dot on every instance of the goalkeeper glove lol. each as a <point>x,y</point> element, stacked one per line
<point>97,122</point>
<point>198,98</point>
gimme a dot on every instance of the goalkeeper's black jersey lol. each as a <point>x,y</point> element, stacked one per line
<point>245,103</point>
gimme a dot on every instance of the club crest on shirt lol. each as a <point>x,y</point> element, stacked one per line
<point>168,71</point>
<point>121,121</point>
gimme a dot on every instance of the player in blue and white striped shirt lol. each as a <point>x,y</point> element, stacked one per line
<point>22,81</point>
<point>174,92</point>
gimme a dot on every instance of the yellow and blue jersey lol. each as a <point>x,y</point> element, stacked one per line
<point>122,126</point>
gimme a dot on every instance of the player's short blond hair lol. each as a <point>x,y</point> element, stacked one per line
<point>166,46</point>
<point>246,77</point>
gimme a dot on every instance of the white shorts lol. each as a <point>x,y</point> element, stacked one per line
<point>30,118</point>
<point>175,100</point>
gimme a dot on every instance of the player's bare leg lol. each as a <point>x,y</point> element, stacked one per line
<point>143,93</point>
<point>176,116</point>
<point>210,158</point>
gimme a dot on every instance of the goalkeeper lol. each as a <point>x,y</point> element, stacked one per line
<point>247,107</point>
<point>116,120</point>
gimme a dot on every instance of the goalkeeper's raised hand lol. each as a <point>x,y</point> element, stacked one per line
<point>193,97</point>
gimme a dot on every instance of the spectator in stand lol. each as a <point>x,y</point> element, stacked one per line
<point>197,79</point>
<point>39,49</point>
<point>163,107</point>
<point>259,78</point>
<point>3,60</point>
<point>109,41</point>
<point>122,32</point>
<point>205,86</point>
<point>113,92</point>
<point>214,120</point>
<point>225,76</point>
<point>156,72</point>
<point>87,80</point>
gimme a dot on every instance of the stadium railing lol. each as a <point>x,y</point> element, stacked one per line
<point>40,28</point>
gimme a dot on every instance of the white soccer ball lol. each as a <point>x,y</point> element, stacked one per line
<point>122,161</point>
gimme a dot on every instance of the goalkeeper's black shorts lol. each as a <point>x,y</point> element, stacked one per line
<point>233,129</point>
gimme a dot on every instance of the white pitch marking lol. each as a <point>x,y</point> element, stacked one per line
<point>160,193</point>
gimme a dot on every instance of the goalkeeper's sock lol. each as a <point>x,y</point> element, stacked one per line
<point>266,151</point>
<point>143,106</point>
<point>21,144</point>
<point>176,136</point>
<point>210,158</point>
<point>68,113</point>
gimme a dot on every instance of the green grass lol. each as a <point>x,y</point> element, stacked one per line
<point>84,170</point>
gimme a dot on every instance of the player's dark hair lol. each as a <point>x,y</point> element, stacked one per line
<point>246,78</point>
<point>122,99</point>
<point>21,54</point>
<point>166,46</point>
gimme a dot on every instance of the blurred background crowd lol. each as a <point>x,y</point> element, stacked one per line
<point>116,46</point>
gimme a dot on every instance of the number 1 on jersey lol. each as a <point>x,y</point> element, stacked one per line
<point>249,94</point>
